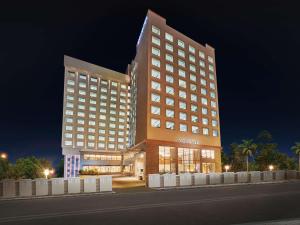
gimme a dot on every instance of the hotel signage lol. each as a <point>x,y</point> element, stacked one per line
<point>189,141</point>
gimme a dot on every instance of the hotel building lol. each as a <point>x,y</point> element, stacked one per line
<point>95,118</point>
<point>175,125</point>
<point>162,117</point>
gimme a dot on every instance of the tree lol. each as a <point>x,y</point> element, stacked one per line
<point>6,169</point>
<point>29,167</point>
<point>296,149</point>
<point>60,168</point>
<point>248,149</point>
<point>236,158</point>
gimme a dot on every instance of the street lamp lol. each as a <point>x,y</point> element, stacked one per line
<point>227,167</point>
<point>3,155</point>
<point>271,167</point>
<point>46,173</point>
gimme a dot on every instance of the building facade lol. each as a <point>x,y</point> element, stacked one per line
<point>175,126</point>
<point>95,119</point>
<point>160,117</point>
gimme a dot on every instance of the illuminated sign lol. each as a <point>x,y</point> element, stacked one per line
<point>189,141</point>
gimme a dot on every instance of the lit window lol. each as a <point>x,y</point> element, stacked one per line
<point>191,49</point>
<point>195,129</point>
<point>203,91</point>
<point>182,105</point>
<point>204,111</point>
<point>156,40</point>
<point>210,59</point>
<point>169,37</point>
<point>155,30</point>
<point>92,94</point>
<point>204,121</point>
<point>155,97</point>
<point>201,55</point>
<point>193,97</point>
<point>70,82</point>
<point>194,119</point>
<point>202,63</point>
<point>71,74</point>
<point>80,129</point>
<point>192,58</point>
<point>213,113</point>
<point>82,107</point>
<point>69,112</point>
<point>155,73</point>
<point>169,47</point>
<point>213,104</point>
<point>204,101</point>
<point>169,68</point>
<point>81,114</point>
<point>69,120</point>
<point>169,58</point>
<point>211,68</point>
<point>202,73</point>
<point>182,116</point>
<point>170,125</point>
<point>155,51</point>
<point>212,94</point>
<point>170,113</point>
<point>82,76</point>
<point>68,142</point>
<point>155,110</point>
<point>155,123</point>
<point>214,123</point>
<point>205,131</point>
<point>182,94</point>
<point>194,108</point>
<point>81,92</point>
<point>94,79</point>
<point>69,97</point>
<point>193,77</point>
<point>155,62</point>
<point>101,145</point>
<point>181,73</point>
<point>203,81</point>
<point>170,101</point>
<point>69,127</point>
<point>181,63</point>
<point>182,83</point>
<point>183,127</point>
<point>212,86</point>
<point>181,53</point>
<point>169,90</point>
<point>79,136</point>
<point>193,87</point>
<point>215,133</point>
<point>181,43</point>
<point>169,79</point>
<point>93,87</point>
<point>211,76</point>
<point>82,85</point>
<point>192,68</point>
<point>209,154</point>
<point>71,90</point>
<point>155,85</point>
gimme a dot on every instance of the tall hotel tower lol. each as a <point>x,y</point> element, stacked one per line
<point>160,117</point>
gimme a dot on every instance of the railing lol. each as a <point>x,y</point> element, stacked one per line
<point>201,179</point>
<point>56,186</point>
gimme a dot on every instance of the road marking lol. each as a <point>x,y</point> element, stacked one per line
<point>274,222</point>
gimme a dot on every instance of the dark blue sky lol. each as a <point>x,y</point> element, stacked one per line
<point>257,53</point>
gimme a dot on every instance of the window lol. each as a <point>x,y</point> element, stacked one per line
<point>201,55</point>
<point>211,76</point>
<point>155,62</point>
<point>69,127</point>
<point>70,82</point>
<point>155,30</point>
<point>155,51</point>
<point>169,47</point>
<point>193,87</point>
<point>202,63</point>
<point>183,127</point>
<point>170,125</point>
<point>155,73</point>
<point>71,90</point>
<point>204,101</point>
<point>155,110</point>
<point>211,68</point>
<point>180,43</point>
<point>195,129</point>
<point>182,94</point>
<point>191,49</point>
<point>182,83</point>
<point>155,85</point>
<point>82,76</point>
<point>181,73</point>
<point>204,121</point>
<point>182,116</point>
<point>193,97</point>
<point>169,90</point>
<point>167,164</point>
<point>156,40</point>
<point>192,68</point>
<point>169,57</point>
<point>212,86</point>
<point>214,123</point>
<point>194,108</point>
<point>194,119</point>
<point>213,104</point>
<point>192,58</point>
<point>170,113</point>
<point>205,131</point>
<point>182,105</point>
<point>155,123</point>
<point>188,160</point>
<point>181,63</point>
<point>170,101</point>
<point>69,120</point>
<point>69,97</point>
<point>204,111</point>
<point>212,94</point>
<point>202,73</point>
<point>203,82</point>
<point>215,133</point>
<point>155,97</point>
<point>169,37</point>
<point>169,79</point>
<point>181,53</point>
<point>193,77</point>
<point>208,154</point>
<point>68,142</point>
<point>210,59</point>
<point>69,112</point>
<point>81,92</point>
<point>213,113</point>
<point>93,79</point>
<point>79,136</point>
<point>169,68</point>
<point>203,91</point>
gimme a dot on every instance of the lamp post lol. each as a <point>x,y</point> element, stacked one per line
<point>227,167</point>
<point>46,173</point>
<point>3,155</point>
<point>271,167</point>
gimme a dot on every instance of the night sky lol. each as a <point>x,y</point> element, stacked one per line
<point>257,57</point>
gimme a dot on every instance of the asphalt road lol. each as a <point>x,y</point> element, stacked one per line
<point>217,205</point>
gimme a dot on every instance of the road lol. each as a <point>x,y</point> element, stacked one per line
<point>216,205</point>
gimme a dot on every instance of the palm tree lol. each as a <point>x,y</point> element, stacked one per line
<point>296,149</point>
<point>248,149</point>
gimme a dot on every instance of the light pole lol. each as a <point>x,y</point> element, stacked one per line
<point>3,155</point>
<point>227,167</point>
<point>271,167</point>
<point>46,173</point>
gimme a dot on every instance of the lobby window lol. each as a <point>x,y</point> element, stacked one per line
<point>210,59</point>
<point>213,104</point>
<point>181,53</point>
<point>170,113</point>
<point>205,131</point>
<point>182,105</point>
<point>155,97</point>
<point>182,94</point>
<point>155,73</point>
<point>156,40</point>
<point>203,91</point>
<point>170,125</point>
<point>155,85</point>
<point>180,43</point>
<point>155,62</point>
<point>169,68</point>
<point>188,160</point>
<point>155,51</point>
<point>208,154</point>
<point>181,73</point>
<point>155,110</point>
<point>169,37</point>
<point>213,113</point>
<point>169,47</point>
<point>193,98</point>
<point>170,101</point>
<point>183,127</point>
<point>182,83</point>
<point>193,87</point>
<point>204,101</point>
<point>194,108</point>
<point>169,90</point>
<point>155,30</point>
<point>194,119</point>
<point>182,116</point>
<point>181,63</point>
<point>191,49</point>
<point>169,57</point>
<point>169,79</point>
<point>192,68</point>
<point>201,55</point>
<point>195,129</point>
<point>166,159</point>
<point>155,123</point>
<point>204,111</point>
<point>215,133</point>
